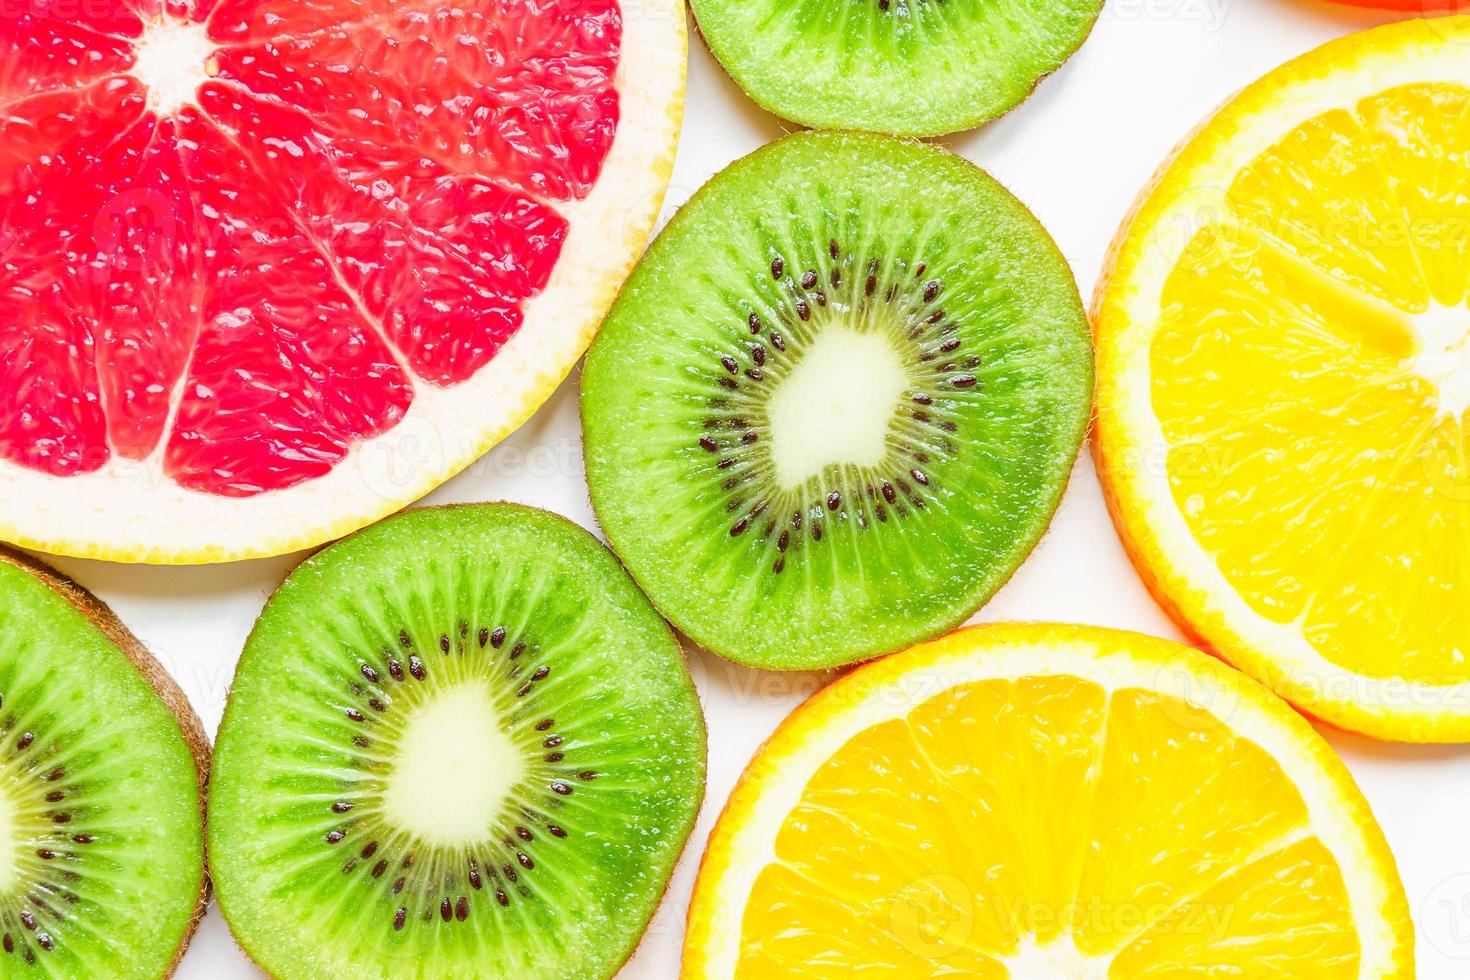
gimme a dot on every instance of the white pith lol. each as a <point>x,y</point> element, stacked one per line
<point>786,764</point>
<point>172,61</point>
<point>454,768</point>
<point>1277,653</point>
<point>1058,958</point>
<point>1442,356</point>
<point>129,510</point>
<point>836,405</point>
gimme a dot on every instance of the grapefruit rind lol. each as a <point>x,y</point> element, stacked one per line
<point>128,511</point>
<point>743,841</point>
<point>1129,441</point>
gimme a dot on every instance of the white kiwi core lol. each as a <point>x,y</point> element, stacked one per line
<point>454,768</point>
<point>837,405</point>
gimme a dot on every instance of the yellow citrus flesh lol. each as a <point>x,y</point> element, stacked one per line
<point>1047,801</point>
<point>1284,392</point>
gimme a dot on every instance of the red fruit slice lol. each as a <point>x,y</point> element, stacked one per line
<point>272,268</point>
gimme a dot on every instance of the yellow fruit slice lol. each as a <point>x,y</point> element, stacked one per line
<point>1047,801</point>
<point>1284,382</point>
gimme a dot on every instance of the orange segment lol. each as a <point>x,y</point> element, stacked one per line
<point>1272,918</point>
<point>1020,838</point>
<point>1402,584</point>
<point>1279,422</point>
<point>1031,800</point>
<point>1225,802</point>
<point>1284,392</point>
<point>1421,131</point>
<point>794,930</point>
<point>1323,193</point>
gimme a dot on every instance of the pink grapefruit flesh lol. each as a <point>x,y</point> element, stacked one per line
<point>240,240</point>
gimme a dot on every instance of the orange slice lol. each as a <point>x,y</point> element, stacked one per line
<point>1284,393</point>
<point>1051,801</point>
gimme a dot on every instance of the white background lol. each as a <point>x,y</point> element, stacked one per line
<point>1077,153</point>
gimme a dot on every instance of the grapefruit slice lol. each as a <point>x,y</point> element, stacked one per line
<point>269,269</point>
<point>1047,801</point>
<point>1284,383</point>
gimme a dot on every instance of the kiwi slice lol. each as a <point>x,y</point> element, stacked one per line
<point>459,743</point>
<point>911,67</point>
<point>838,401</point>
<point>102,768</point>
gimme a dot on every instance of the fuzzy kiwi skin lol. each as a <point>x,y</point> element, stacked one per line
<point>104,619</point>
<point>685,832</point>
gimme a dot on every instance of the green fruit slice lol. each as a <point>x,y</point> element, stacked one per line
<point>101,778</point>
<point>911,67</point>
<point>837,403</point>
<point>460,743</point>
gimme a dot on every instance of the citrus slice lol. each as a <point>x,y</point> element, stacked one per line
<point>1047,801</point>
<point>1284,382</point>
<point>270,270</point>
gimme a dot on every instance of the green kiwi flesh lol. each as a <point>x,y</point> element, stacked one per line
<point>101,813</point>
<point>838,402</point>
<point>910,67</point>
<point>459,743</point>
